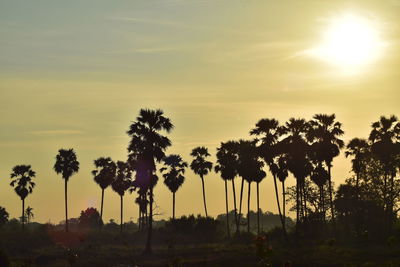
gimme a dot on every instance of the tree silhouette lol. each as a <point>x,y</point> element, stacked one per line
<point>385,138</point>
<point>66,165</point>
<point>104,175</point>
<point>250,169</point>
<point>281,171</point>
<point>227,164</point>
<point>358,149</point>
<point>324,132</point>
<point>147,146</point>
<point>29,214</point>
<point>121,183</point>
<point>270,132</point>
<point>22,176</point>
<point>3,216</point>
<point>201,167</point>
<point>173,171</point>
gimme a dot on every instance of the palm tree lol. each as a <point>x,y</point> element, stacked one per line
<point>270,132</point>
<point>173,171</point>
<point>22,176</point>
<point>121,183</point>
<point>201,167</point>
<point>385,139</point>
<point>282,174</point>
<point>296,148</point>
<point>29,214</point>
<point>357,148</point>
<point>147,146</point>
<point>104,175</point>
<point>250,169</point>
<point>227,165</point>
<point>324,132</point>
<point>66,164</point>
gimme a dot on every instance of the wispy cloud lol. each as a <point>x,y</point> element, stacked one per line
<point>56,132</point>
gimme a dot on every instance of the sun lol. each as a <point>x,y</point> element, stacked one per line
<point>350,42</point>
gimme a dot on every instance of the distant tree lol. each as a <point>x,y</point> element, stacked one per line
<point>121,183</point>
<point>104,175</point>
<point>29,214</point>
<point>227,164</point>
<point>201,166</point>
<point>22,176</point>
<point>358,149</point>
<point>147,147</point>
<point>173,171</point>
<point>282,173</point>
<point>67,165</point>
<point>3,216</point>
<point>89,218</point>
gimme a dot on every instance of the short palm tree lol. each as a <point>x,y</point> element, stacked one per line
<point>104,175</point>
<point>121,183</point>
<point>22,176</point>
<point>147,146</point>
<point>173,171</point>
<point>201,166</point>
<point>227,164</point>
<point>358,149</point>
<point>29,214</point>
<point>66,165</point>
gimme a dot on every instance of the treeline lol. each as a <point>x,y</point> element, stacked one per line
<point>303,148</point>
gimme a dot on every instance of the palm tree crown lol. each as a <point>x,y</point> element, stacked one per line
<point>22,180</point>
<point>66,163</point>
<point>105,171</point>
<point>173,170</point>
<point>200,165</point>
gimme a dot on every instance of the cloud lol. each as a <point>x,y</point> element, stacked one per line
<point>56,132</point>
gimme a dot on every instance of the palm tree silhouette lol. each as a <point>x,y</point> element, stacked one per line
<point>324,132</point>
<point>281,171</point>
<point>250,169</point>
<point>121,183</point>
<point>270,132</point>
<point>22,176</point>
<point>296,148</point>
<point>104,175</point>
<point>357,148</point>
<point>385,139</point>
<point>173,171</point>
<point>227,164</point>
<point>29,214</point>
<point>66,164</point>
<point>201,167</point>
<point>147,146</point>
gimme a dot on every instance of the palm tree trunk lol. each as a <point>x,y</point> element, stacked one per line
<point>140,219</point>
<point>204,195</point>
<point>331,198</point>
<point>234,204</point>
<point>173,205</point>
<point>304,199</point>
<point>227,209</point>
<point>277,202</point>
<point>297,205</point>
<point>148,249</point>
<point>284,206</point>
<point>101,208</point>
<point>240,203</point>
<point>248,208</point>
<point>122,210</point>
<point>66,205</point>
<point>23,213</point>
<point>258,208</point>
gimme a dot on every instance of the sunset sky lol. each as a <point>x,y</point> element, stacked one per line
<point>74,74</point>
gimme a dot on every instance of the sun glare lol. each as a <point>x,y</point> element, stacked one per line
<point>350,42</point>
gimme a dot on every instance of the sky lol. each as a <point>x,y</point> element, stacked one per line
<point>74,74</point>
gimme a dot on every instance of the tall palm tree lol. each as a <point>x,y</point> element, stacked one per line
<point>325,134</point>
<point>21,177</point>
<point>268,133</point>
<point>385,139</point>
<point>357,148</point>
<point>104,175</point>
<point>250,169</point>
<point>29,214</point>
<point>201,167</point>
<point>296,149</point>
<point>282,174</point>
<point>121,183</point>
<point>148,146</point>
<point>173,171</point>
<point>66,164</point>
<point>227,160</point>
